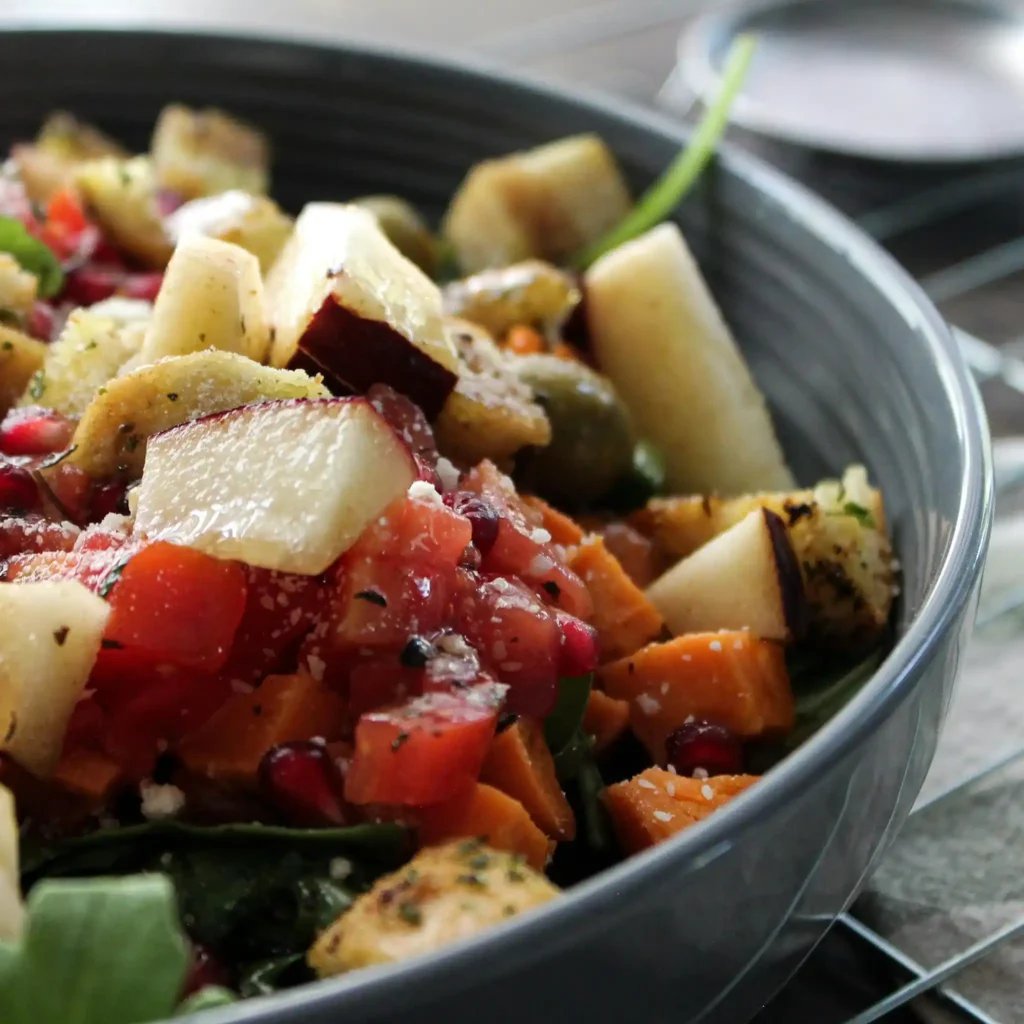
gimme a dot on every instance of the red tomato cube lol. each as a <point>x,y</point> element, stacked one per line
<point>423,751</point>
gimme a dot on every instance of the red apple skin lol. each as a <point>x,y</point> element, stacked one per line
<point>791,582</point>
<point>354,353</point>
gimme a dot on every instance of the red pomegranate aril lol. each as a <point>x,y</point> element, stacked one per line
<point>41,320</point>
<point>705,746</point>
<point>142,286</point>
<point>579,654</point>
<point>91,284</point>
<point>35,431</point>
<point>408,421</point>
<point>482,515</point>
<point>302,781</point>
<point>18,489</point>
<point>204,970</point>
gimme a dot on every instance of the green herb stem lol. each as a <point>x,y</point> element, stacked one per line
<point>670,189</point>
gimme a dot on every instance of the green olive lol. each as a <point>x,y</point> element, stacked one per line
<point>406,229</point>
<point>532,292</point>
<point>592,440</point>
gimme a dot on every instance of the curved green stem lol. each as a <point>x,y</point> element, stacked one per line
<point>668,191</point>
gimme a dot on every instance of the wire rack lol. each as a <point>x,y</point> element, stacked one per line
<point>975,276</point>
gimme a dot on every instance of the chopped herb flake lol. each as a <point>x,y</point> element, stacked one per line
<point>410,913</point>
<point>374,597</point>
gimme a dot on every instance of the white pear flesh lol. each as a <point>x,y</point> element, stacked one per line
<point>12,911</point>
<point>211,297</point>
<point>746,578</point>
<point>50,636</point>
<point>656,331</point>
<point>282,485</point>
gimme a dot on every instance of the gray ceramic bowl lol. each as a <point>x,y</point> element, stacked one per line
<point>858,366</point>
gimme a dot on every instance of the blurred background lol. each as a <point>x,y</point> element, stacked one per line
<point>909,115</point>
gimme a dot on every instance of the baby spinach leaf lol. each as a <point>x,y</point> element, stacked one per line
<point>33,255</point>
<point>113,851</point>
<point>268,976</point>
<point>102,951</point>
<point>564,721</point>
<point>208,998</point>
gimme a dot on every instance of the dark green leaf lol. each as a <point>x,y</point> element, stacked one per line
<point>595,817</point>
<point>669,190</point>
<point>564,721</point>
<point>103,951</point>
<point>645,479</point>
<point>108,850</point>
<point>208,998</point>
<point>33,255</point>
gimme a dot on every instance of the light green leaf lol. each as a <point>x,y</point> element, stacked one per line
<point>33,255</point>
<point>670,189</point>
<point>102,951</point>
<point>208,998</point>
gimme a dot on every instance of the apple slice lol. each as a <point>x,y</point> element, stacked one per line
<point>346,303</point>
<point>111,436</point>
<point>746,578</point>
<point>211,297</point>
<point>283,485</point>
<point>12,911</point>
<point>50,635</point>
<point>656,331</point>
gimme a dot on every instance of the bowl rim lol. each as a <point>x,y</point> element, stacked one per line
<point>946,600</point>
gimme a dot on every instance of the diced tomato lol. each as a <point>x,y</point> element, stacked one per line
<point>517,638</point>
<point>35,431</point>
<point>375,684</point>
<point>178,605</point>
<point>522,547</point>
<point>417,530</point>
<point>168,706</point>
<point>23,534</point>
<point>86,726</point>
<point>67,230</point>
<point>280,609</point>
<point>423,751</point>
<point>91,568</point>
<point>385,601</point>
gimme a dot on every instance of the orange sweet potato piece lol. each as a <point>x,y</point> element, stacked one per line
<point>524,340</point>
<point>231,743</point>
<point>623,616</point>
<point>734,679</point>
<point>488,814</point>
<point>563,530</point>
<point>633,550</point>
<point>656,804</point>
<point>520,764</point>
<point>606,719</point>
<point>88,773</point>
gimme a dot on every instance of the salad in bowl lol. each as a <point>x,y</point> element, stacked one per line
<point>365,586</point>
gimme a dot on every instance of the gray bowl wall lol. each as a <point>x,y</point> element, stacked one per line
<point>857,367</point>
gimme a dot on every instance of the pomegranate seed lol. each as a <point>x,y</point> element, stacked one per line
<point>35,431</point>
<point>109,498</point>
<point>578,656</point>
<point>18,490</point>
<point>142,286</point>
<point>482,515</point>
<point>41,320</point>
<point>704,745</point>
<point>302,781</point>
<point>205,969</point>
<point>91,284</point>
